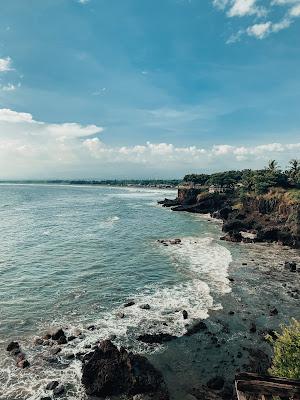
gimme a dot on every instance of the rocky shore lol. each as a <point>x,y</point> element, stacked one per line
<point>204,359</point>
<point>266,218</point>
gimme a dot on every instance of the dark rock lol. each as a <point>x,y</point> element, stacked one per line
<point>259,362</point>
<point>71,338</point>
<point>156,338</point>
<point>23,364</point>
<point>91,328</point>
<point>185,314</point>
<point>52,385</point>
<point>120,315</point>
<point>59,390</point>
<point>45,398</point>
<point>38,341</point>
<point>62,340</point>
<point>129,304</point>
<point>216,383</point>
<point>231,313</point>
<point>57,334</point>
<point>274,311</point>
<point>112,372</point>
<point>15,352</point>
<point>234,237</point>
<point>252,327</point>
<point>231,279</point>
<point>55,351</point>
<point>145,307</point>
<point>291,266</point>
<point>196,327</point>
<point>12,346</point>
<point>47,336</point>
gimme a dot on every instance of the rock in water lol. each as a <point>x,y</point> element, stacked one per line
<point>111,372</point>
<point>58,334</point>
<point>13,346</point>
<point>216,383</point>
<point>156,338</point>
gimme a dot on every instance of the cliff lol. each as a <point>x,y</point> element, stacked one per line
<point>272,217</point>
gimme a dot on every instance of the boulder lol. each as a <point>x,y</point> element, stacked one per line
<point>12,346</point>
<point>111,372</point>
<point>185,314</point>
<point>252,327</point>
<point>57,334</point>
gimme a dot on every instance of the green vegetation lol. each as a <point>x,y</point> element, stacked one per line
<point>109,182</point>
<point>286,360</point>
<point>256,181</point>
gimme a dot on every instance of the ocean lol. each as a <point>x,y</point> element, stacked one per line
<point>72,256</point>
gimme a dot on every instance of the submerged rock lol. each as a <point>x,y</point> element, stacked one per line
<point>111,372</point>
<point>145,307</point>
<point>216,383</point>
<point>52,385</point>
<point>129,304</point>
<point>157,338</point>
<point>273,311</point>
<point>196,327</point>
<point>59,390</point>
<point>291,266</point>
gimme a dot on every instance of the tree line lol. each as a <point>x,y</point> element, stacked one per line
<point>258,181</point>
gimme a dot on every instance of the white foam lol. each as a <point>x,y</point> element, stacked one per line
<point>202,263</point>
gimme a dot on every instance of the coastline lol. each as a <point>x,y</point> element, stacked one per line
<point>189,362</point>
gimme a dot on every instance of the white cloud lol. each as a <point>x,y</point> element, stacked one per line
<point>83,1</point>
<point>31,148</point>
<point>240,8</point>
<point>295,11</point>
<point>5,64</point>
<point>259,30</point>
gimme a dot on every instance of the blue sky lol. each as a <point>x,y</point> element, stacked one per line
<point>140,88</point>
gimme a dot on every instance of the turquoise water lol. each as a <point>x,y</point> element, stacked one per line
<point>72,256</point>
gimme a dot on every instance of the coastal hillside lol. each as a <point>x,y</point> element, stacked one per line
<point>255,206</point>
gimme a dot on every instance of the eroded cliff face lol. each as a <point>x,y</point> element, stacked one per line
<point>273,217</point>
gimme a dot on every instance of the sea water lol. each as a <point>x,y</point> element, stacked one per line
<point>72,256</point>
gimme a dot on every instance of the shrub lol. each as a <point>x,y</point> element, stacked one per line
<point>286,360</point>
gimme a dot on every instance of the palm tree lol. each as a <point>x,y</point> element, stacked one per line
<point>273,165</point>
<point>294,169</point>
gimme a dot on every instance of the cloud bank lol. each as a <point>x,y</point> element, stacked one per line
<point>36,149</point>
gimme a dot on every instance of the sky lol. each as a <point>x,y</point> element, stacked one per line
<point>147,88</point>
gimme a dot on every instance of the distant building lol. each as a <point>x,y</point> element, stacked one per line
<point>218,189</point>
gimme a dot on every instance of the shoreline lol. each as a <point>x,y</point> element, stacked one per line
<point>217,333</point>
<point>227,343</point>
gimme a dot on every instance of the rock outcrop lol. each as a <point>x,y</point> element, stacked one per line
<point>111,372</point>
<point>272,217</point>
